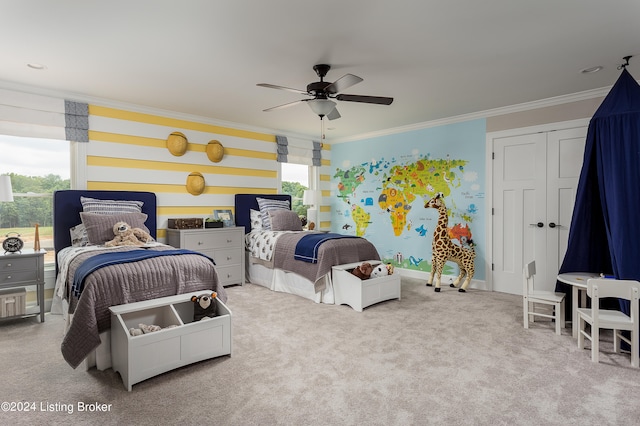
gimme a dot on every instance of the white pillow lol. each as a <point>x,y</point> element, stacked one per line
<point>79,237</point>
<point>256,220</point>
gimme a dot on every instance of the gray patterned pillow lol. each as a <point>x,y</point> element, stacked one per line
<point>266,205</point>
<point>100,226</point>
<point>94,205</point>
<point>285,220</point>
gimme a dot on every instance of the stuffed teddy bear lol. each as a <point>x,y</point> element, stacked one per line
<point>204,306</point>
<point>127,236</point>
<point>363,271</point>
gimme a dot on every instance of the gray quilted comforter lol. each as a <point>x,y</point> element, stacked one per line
<point>125,283</point>
<point>331,253</point>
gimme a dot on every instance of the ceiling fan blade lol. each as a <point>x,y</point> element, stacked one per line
<point>380,100</point>
<point>342,83</point>
<point>289,89</point>
<point>334,114</point>
<point>290,104</point>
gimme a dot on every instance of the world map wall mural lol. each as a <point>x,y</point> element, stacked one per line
<point>380,186</point>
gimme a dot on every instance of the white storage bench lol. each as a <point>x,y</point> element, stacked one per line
<point>351,290</point>
<point>138,358</point>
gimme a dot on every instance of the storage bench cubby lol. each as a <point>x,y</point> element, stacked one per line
<point>351,290</point>
<point>180,341</point>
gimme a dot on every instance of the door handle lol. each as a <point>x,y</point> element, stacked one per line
<point>539,224</point>
<point>553,225</point>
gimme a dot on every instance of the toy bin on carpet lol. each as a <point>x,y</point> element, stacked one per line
<point>359,293</point>
<point>154,336</point>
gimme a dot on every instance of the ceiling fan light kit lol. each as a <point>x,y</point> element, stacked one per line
<point>323,91</point>
<point>321,107</point>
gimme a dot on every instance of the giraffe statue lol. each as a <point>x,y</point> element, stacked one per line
<point>443,249</point>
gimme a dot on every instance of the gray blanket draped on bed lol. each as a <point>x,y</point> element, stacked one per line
<point>147,279</point>
<point>331,252</point>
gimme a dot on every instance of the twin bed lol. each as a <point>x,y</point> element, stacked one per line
<point>157,270</point>
<point>85,302</point>
<point>283,272</point>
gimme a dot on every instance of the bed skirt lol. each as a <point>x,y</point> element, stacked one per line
<point>289,282</point>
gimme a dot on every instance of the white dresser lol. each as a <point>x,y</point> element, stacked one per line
<point>224,245</point>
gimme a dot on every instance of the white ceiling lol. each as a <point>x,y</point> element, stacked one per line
<point>437,58</point>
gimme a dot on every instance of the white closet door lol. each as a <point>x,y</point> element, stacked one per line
<point>534,180</point>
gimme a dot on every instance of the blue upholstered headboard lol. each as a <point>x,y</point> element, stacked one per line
<point>246,202</point>
<point>67,208</point>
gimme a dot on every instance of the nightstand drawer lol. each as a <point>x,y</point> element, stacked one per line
<point>219,239</point>
<point>9,264</point>
<point>8,277</point>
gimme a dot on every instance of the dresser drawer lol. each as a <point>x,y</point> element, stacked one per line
<point>227,257</point>
<point>229,274</point>
<point>8,264</point>
<point>17,277</point>
<point>210,240</point>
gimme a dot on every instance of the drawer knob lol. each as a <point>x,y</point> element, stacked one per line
<point>229,257</point>
<point>9,265</point>
<point>228,275</point>
<point>8,277</point>
<point>229,241</point>
<point>199,243</point>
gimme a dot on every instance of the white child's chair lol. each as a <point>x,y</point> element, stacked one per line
<point>547,304</point>
<point>610,319</point>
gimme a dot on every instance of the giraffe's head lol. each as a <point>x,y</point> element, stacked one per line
<point>436,202</point>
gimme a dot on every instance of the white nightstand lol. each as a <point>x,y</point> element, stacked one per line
<point>224,245</point>
<point>24,269</point>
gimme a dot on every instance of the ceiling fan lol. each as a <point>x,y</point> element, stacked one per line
<point>322,92</point>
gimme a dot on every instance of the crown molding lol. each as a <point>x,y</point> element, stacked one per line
<point>557,100</point>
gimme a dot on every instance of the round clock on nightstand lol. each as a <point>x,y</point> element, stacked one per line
<point>12,244</point>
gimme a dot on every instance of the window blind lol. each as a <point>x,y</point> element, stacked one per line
<point>298,151</point>
<point>39,116</point>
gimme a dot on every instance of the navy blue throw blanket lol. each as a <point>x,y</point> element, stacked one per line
<point>106,259</point>
<point>307,246</point>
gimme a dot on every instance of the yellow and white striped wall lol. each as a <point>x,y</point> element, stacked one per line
<point>127,150</point>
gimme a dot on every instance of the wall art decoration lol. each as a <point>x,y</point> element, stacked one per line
<point>195,183</point>
<point>177,144</point>
<point>215,151</point>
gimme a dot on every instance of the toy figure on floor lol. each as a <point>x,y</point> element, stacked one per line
<point>443,249</point>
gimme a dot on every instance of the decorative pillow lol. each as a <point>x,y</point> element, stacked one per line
<point>267,205</point>
<point>93,205</point>
<point>256,220</point>
<point>285,220</point>
<point>79,237</point>
<point>100,226</point>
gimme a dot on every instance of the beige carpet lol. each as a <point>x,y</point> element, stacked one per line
<point>448,358</point>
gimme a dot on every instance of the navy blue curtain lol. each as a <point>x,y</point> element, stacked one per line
<point>605,227</point>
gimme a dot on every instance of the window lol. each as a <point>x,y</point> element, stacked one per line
<point>295,179</point>
<point>37,167</point>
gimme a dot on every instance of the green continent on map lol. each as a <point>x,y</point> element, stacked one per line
<point>349,180</point>
<point>361,218</point>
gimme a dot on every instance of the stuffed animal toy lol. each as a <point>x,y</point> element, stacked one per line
<point>204,306</point>
<point>382,270</point>
<point>379,271</point>
<point>125,235</point>
<point>363,271</point>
